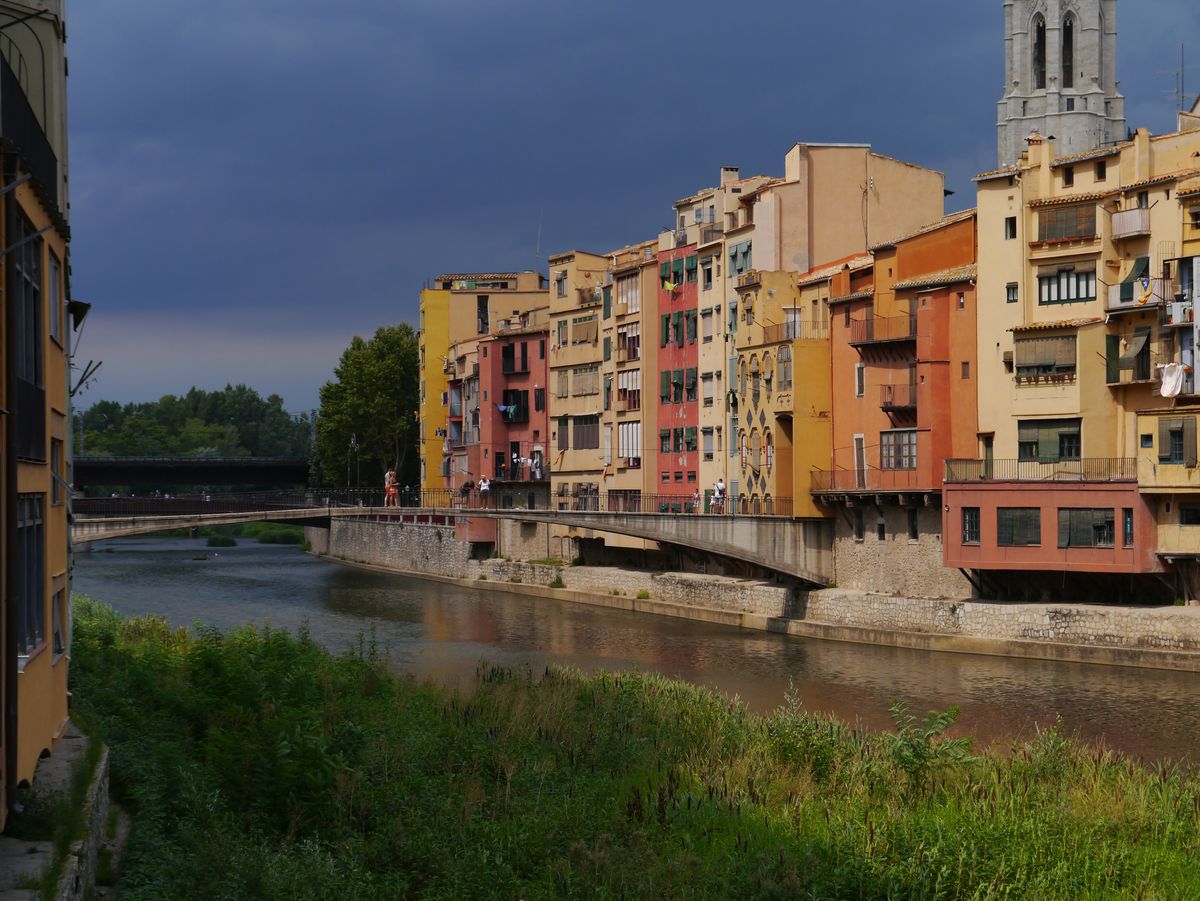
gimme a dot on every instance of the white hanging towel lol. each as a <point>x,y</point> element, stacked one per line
<point>1172,379</point>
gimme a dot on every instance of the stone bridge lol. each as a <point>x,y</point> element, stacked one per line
<point>799,548</point>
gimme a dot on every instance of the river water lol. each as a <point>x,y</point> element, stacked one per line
<point>443,632</point>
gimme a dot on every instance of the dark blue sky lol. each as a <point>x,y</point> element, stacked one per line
<point>254,183</point>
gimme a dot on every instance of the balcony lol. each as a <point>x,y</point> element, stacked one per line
<point>868,480</point>
<point>883,330</point>
<point>711,233</point>
<point>590,297</point>
<point>794,331</point>
<point>620,309</point>
<point>1126,298</point>
<point>749,279</point>
<point>898,398</point>
<point>1087,469</point>
<point>1130,224</point>
<point>628,405</point>
<point>21,129</point>
<point>628,353</point>
<point>1133,359</point>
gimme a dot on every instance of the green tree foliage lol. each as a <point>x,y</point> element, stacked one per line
<point>372,402</point>
<point>236,421</point>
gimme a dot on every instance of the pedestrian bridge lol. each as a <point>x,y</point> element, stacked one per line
<point>799,548</point>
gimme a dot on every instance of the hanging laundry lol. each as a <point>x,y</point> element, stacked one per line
<point>1172,379</point>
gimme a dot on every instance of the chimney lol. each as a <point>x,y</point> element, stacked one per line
<point>730,174</point>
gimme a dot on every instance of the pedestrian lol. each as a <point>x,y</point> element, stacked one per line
<point>390,489</point>
<point>485,488</point>
<point>718,498</point>
<point>696,502</point>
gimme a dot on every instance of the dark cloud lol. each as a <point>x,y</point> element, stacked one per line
<point>263,180</point>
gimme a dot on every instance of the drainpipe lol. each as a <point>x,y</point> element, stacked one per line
<point>11,490</point>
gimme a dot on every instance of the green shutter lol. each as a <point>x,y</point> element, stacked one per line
<point>664,271</point>
<point>664,392</point>
<point>677,326</point>
<point>666,329</point>
<point>607,348</point>
<point>1189,441</point>
<point>1112,357</point>
<point>691,262</point>
<point>677,268</point>
<point>691,327</point>
<point>607,301</point>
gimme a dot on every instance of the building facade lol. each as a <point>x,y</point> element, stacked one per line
<point>39,318</point>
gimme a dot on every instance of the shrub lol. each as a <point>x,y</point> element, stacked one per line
<point>643,594</point>
<point>557,581</point>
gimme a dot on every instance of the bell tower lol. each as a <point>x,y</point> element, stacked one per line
<point>1060,76</point>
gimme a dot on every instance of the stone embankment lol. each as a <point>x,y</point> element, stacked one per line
<point>1159,637</point>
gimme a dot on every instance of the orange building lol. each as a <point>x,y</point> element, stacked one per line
<point>903,360</point>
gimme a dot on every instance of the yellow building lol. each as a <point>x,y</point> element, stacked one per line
<point>435,367</point>
<point>38,316</point>
<point>783,394</point>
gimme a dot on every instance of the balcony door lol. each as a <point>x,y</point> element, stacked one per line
<point>860,461</point>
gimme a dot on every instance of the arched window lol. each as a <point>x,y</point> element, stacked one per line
<point>770,452</point>
<point>742,370</point>
<point>745,445</point>
<point>1039,52</point>
<point>1068,52</point>
<point>768,369</point>
<point>755,450</point>
<point>785,368</point>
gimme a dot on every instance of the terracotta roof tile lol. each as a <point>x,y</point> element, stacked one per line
<point>826,272</point>
<point>1059,324</point>
<point>1067,199</point>
<point>997,173</point>
<point>1097,153</point>
<point>857,295</point>
<point>932,226</point>
<point>1177,174</point>
<point>935,279</point>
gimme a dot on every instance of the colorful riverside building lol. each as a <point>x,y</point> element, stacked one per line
<point>39,318</point>
<point>480,307</point>
<point>1086,449</point>
<point>903,361</point>
<point>435,368</point>
<point>678,458</point>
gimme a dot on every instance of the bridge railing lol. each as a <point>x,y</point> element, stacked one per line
<point>437,499</point>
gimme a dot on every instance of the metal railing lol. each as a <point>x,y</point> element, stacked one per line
<point>1130,223</point>
<point>881,329</point>
<point>898,397</point>
<point>1129,296</point>
<point>870,479</point>
<point>412,498</point>
<point>1087,469</point>
<point>794,331</point>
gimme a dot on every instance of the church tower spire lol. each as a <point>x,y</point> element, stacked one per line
<point>1060,76</point>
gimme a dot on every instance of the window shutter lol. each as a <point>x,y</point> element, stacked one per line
<point>1189,441</point>
<point>1164,439</point>
<point>666,329</point>
<point>1064,528</point>
<point>607,301</point>
<point>664,271</point>
<point>1112,356</point>
<point>677,328</point>
<point>665,390</point>
<point>607,348</point>
<point>691,328</point>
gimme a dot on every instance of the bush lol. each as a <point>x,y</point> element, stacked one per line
<point>557,581</point>
<point>643,594</point>
<point>221,541</point>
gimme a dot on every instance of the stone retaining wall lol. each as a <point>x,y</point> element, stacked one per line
<point>432,550</point>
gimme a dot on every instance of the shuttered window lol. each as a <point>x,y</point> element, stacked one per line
<point>1018,526</point>
<point>1177,440</point>
<point>1048,440</point>
<point>1086,527</point>
<point>1040,358</point>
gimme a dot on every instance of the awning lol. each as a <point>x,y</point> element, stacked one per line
<point>1129,357</point>
<point>1141,266</point>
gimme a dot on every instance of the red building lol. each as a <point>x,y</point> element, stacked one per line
<point>679,363</point>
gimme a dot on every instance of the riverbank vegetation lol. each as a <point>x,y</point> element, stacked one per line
<point>259,766</point>
<point>262,532</point>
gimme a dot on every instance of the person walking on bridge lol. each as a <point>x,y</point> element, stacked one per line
<point>390,489</point>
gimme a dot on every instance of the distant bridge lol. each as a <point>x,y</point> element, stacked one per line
<point>140,471</point>
<point>799,548</point>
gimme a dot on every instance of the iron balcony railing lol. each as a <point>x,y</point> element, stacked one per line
<point>1133,296</point>
<point>869,479</point>
<point>898,397</point>
<point>1086,469</point>
<point>710,233</point>
<point>883,329</point>
<point>794,331</point>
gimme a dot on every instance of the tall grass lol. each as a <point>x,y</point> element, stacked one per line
<point>308,775</point>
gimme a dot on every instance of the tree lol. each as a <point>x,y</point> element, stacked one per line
<point>372,403</point>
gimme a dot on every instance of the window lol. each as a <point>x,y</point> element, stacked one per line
<point>898,449</point>
<point>1177,440</point>
<point>1066,286</point>
<point>689,319</point>
<point>1011,294</point>
<point>562,383</point>
<point>707,280</point>
<point>31,573</point>
<point>586,431</point>
<point>1048,440</point>
<point>1018,526</point>
<point>966,369</point>
<point>689,439</point>
<point>664,441</point>
<point>57,479</point>
<point>914,528</point>
<point>1101,170</point>
<point>629,341</point>
<point>706,381</point>
<point>1045,359</point>
<point>562,333</point>
<point>706,326</point>
<point>666,478</point>
<point>1143,200</point>
<point>24,286</point>
<point>970,525</point>
<point>564,437</point>
<point>55,298</point>
<point>1010,228</point>
<point>962,300</point>
<point>539,399</point>
<point>560,285</point>
<point>482,316</point>
<point>677,386</point>
<point>690,385</point>
<point>1067,223</point>
<point>1085,527</point>
<point>691,269</point>
<point>1068,52</point>
<point>1127,525</point>
<point>1068,175</point>
<point>1189,515</point>
<point>858,525</point>
<point>707,438</point>
<point>677,441</point>
<point>784,364</point>
<point>585,330</point>
<point>1039,53</point>
<point>58,611</point>
<point>629,442</point>
<point>629,293</point>
<point>860,379</point>
<point>629,389</point>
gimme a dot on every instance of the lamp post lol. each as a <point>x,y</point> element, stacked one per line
<point>353,449</point>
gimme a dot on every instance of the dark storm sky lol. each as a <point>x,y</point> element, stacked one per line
<point>253,183</point>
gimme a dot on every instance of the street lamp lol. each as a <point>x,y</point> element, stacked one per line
<point>353,449</point>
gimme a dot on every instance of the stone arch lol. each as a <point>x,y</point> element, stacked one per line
<point>1037,35</point>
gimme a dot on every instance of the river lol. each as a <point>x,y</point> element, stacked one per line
<point>443,632</point>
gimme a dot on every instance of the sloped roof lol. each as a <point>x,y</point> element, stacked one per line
<point>1057,324</point>
<point>931,227</point>
<point>936,279</point>
<point>826,272</point>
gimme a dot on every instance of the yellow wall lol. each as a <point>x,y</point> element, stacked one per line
<point>435,351</point>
